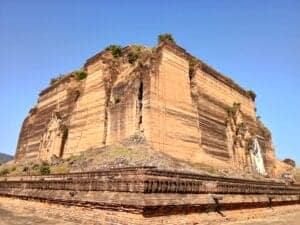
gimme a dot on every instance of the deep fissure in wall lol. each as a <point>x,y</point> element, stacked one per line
<point>140,105</point>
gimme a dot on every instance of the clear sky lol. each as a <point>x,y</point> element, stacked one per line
<point>256,43</point>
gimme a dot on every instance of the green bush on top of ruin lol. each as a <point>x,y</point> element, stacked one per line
<point>80,74</point>
<point>56,79</point>
<point>166,37</point>
<point>134,53</point>
<point>115,50</point>
<point>192,63</point>
<point>251,94</point>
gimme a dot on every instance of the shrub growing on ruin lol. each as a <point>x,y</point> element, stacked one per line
<point>166,37</point>
<point>251,94</point>
<point>132,57</point>
<point>4,172</point>
<point>44,170</point>
<point>115,50</point>
<point>192,63</point>
<point>134,53</point>
<point>80,74</point>
<point>55,79</point>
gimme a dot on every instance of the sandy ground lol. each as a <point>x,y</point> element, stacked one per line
<point>21,212</point>
<point>292,218</point>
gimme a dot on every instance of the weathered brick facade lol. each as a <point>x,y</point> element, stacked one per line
<point>181,105</point>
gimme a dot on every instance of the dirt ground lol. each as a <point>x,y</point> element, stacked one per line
<point>287,218</point>
<point>21,212</point>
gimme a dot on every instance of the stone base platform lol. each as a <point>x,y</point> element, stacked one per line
<point>150,192</point>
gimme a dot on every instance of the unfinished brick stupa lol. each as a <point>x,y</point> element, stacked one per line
<point>182,106</point>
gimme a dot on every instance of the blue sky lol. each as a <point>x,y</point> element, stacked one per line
<point>256,43</point>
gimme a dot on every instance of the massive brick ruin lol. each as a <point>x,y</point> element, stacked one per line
<point>182,106</point>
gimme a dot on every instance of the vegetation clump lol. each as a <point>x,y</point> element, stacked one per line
<point>192,63</point>
<point>80,74</point>
<point>134,53</point>
<point>115,50</point>
<point>166,37</point>
<point>4,172</point>
<point>132,57</point>
<point>44,170</point>
<point>251,94</point>
<point>56,79</point>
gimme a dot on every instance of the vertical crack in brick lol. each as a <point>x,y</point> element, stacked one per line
<point>140,105</point>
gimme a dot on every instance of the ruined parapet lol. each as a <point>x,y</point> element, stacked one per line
<point>182,106</point>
